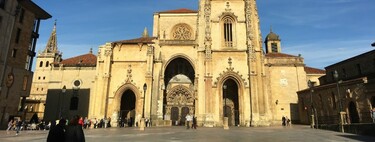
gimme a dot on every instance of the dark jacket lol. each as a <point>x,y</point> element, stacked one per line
<point>74,133</point>
<point>56,134</point>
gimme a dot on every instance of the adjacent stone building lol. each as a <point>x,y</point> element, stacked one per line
<point>61,88</point>
<point>352,91</point>
<point>19,26</point>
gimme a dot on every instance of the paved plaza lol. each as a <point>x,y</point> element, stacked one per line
<point>294,133</point>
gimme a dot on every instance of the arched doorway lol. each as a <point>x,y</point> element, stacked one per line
<point>178,96</point>
<point>179,103</point>
<point>353,114</point>
<point>174,115</point>
<point>127,108</point>
<point>231,102</point>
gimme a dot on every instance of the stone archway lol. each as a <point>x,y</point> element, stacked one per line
<point>231,102</point>
<point>127,108</point>
<point>238,85</point>
<point>353,113</point>
<point>179,80</point>
<point>117,105</point>
<point>179,103</point>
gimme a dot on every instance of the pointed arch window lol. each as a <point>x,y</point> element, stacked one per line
<point>47,63</point>
<point>41,64</point>
<point>228,31</point>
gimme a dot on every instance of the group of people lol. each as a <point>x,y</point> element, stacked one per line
<point>71,133</point>
<point>102,123</point>
<point>191,121</point>
<point>18,125</point>
<point>285,121</point>
<point>15,124</point>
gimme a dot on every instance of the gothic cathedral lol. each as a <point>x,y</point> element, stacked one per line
<point>207,63</point>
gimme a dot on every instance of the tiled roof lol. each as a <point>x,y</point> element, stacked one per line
<point>86,60</point>
<point>182,10</point>
<point>279,55</point>
<point>137,40</point>
<point>310,70</point>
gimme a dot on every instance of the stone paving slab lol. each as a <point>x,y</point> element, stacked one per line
<point>296,133</point>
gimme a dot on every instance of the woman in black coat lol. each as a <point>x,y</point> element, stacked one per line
<point>74,131</point>
<point>57,133</point>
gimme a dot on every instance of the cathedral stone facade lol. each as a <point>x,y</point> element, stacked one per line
<point>208,63</point>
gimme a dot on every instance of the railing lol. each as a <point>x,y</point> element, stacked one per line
<point>363,117</point>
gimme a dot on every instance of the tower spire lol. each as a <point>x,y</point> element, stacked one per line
<point>51,46</point>
<point>271,29</point>
<point>145,32</point>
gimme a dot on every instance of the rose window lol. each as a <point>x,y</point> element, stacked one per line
<point>181,32</point>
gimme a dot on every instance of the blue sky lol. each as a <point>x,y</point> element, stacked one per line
<point>322,31</point>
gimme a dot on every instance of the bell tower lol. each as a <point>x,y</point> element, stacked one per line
<point>230,29</point>
<point>273,43</point>
<point>43,67</point>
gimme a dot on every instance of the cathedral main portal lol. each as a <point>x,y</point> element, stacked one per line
<point>180,102</point>
<point>179,95</point>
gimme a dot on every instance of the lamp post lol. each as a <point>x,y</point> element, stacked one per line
<point>341,113</point>
<point>311,85</point>
<point>225,107</point>
<point>225,100</point>
<point>142,127</point>
<point>63,90</point>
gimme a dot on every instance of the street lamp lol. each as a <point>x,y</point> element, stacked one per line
<point>144,98</point>
<point>341,119</point>
<point>225,107</point>
<point>142,127</point>
<point>225,100</point>
<point>63,90</point>
<point>311,85</point>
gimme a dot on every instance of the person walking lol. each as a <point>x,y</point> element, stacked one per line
<point>109,122</point>
<point>74,131</point>
<point>194,122</point>
<point>95,123</point>
<point>10,124</point>
<point>57,133</point>
<point>188,119</point>
<point>80,121</point>
<point>18,126</point>
<point>287,121</point>
<point>283,119</point>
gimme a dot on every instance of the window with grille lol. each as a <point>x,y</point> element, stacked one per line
<point>274,47</point>
<point>22,15</point>
<point>28,62</point>
<point>18,36</point>
<point>228,31</point>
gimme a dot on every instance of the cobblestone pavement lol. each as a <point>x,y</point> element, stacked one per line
<point>294,133</point>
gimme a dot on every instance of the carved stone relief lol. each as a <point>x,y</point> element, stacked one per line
<point>182,32</point>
